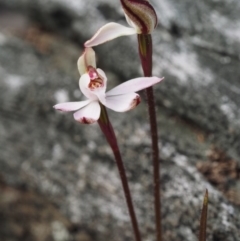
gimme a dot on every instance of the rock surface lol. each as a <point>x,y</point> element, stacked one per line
<point>70,166</point>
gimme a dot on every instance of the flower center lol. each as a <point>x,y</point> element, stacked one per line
<point>96,81</point>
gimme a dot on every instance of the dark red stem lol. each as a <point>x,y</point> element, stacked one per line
<point>145,53</point>
<point>108,131</point>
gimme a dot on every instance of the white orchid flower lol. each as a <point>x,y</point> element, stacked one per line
<point>139,14</point>
<point>93,84</point>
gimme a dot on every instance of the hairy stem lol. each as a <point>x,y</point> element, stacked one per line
<point>108,131</point>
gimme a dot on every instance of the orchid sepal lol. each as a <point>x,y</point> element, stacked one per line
<point>134,85</point>
<point>108,32</point>
<point>71,106</point>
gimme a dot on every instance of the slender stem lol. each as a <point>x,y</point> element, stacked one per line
<point>203,219</point>
<point>145,52</point>
<point>108,131</point>
<point>156,163</point>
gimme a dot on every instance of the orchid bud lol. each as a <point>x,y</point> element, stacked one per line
<point>140,15</point>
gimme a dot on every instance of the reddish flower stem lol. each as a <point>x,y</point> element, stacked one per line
<point>145,52</point>
<point>108,131</point>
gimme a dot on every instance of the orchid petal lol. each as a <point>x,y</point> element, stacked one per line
<point>85,60</point>
<point>71,106</point>
<point>84,86</point>
<point>108,32</point>
<point>134,85</point>
<point>89,114</point>
<point>122,103</point>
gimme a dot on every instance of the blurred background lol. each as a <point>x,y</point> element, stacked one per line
<point>58,179</point>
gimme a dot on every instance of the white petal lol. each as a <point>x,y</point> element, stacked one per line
<point>93,94</point>
<point>89,114</point>
<point>108,32</point>
<point>134,85</point>
<point>71,106</point>
<point>122,103</point>
<point>85,60</point>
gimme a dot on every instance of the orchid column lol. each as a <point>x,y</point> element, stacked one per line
<point>141,16</point>
<point>93,84</point>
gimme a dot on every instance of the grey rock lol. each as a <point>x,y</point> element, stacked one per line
<point>196,49</point>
